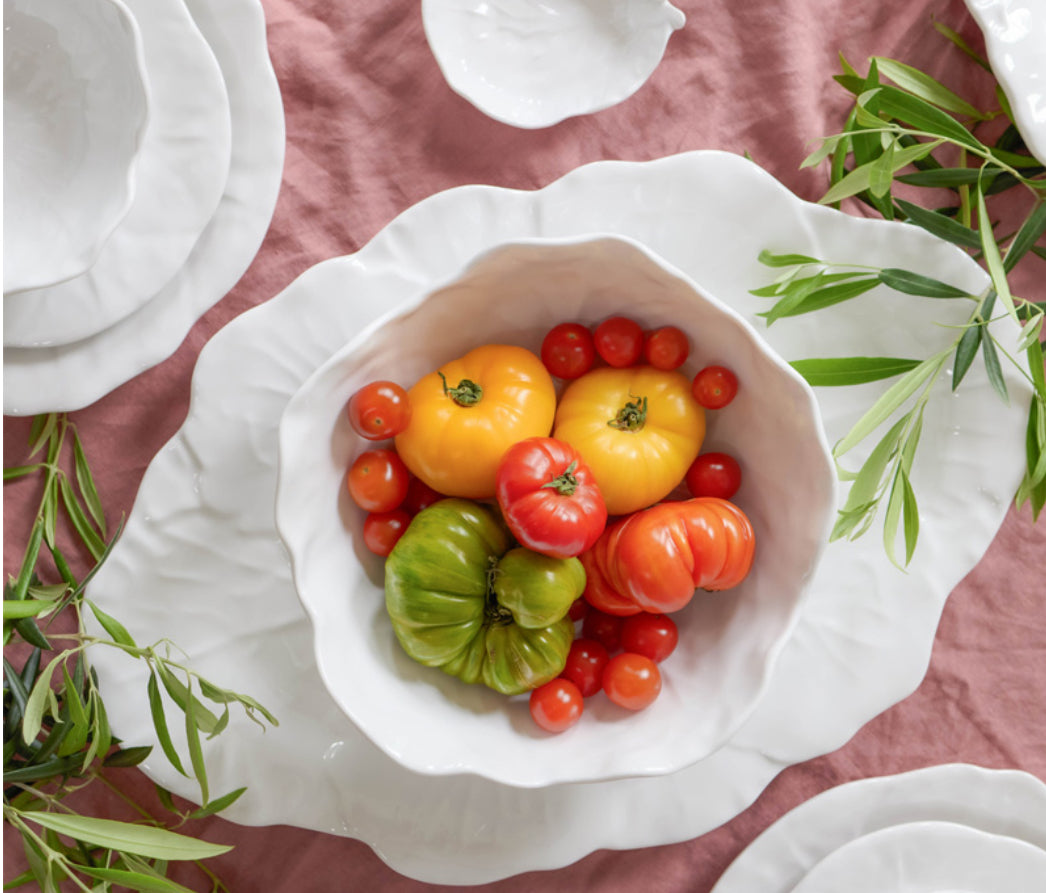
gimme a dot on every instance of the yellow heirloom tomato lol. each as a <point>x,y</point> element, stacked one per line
<point>638,430</point>
<point>467,413</point>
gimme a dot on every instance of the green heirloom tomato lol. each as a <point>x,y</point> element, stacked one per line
<point>443,584</point>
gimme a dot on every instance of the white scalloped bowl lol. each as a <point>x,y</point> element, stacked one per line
<point>433,723</point>
<point>76,105</point>
<point>533,64</point>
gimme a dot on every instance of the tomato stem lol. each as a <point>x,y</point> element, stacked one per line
<point>566,483</point>
<point>631,416</point>
<point>494,613</point>
<point>466,393</point>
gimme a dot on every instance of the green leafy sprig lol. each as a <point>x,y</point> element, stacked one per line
<point>905,136</point>
<point>57,738</point>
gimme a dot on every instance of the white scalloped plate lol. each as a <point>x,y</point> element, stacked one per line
<point>77,106</point>
<point>1015,36</point>
<point>886,829</point>
<point>180,178</point>
<point>200,559</point>
<point>534,64</point>
<point>71,376</point>
<point>929,857</point>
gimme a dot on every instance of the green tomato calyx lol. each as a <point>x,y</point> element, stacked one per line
<point>466,393</point>
<point>631,416</point>
<point>494,613</point>
<point>566,483</point>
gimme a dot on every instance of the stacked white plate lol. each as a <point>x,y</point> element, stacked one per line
<point>201,539</point>
<point>202,189</point>
<point>946,829</point>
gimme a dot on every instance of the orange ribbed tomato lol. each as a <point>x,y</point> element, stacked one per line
<point>658,557</point>
<point>467,413</point>
<point>638,430</point>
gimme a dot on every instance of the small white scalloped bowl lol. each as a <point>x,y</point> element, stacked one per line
<point>433,723</point>
<point>533,64</point>
<point>76,106</point>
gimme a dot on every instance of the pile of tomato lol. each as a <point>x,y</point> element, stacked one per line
<point>537,535</point>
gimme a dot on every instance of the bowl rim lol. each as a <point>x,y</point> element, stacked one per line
<point>285,525</point>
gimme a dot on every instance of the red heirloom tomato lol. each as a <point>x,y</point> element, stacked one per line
<point>652,635</point>
<point>379,410</point>
<point>666,348</point>
<point>663,553</point>
<point>632,681</point>
<point>556,705</point>
<point>619,341</point>
<point>568,350</point>
<point>377,480</point>
<point>714,474</point>
<point>382,530</point>
<point>714,387</point>
<point>585,664</point>
<point>549,498</point>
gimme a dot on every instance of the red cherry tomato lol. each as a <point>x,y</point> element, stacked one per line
<point>419,496</point>
<point>382,530</point>
<point>632,681</point>
<point>556,705</point>
<point>568,350</point>
<point>714,474</point>
<point>652,635</point>
<point>666,348</point>
<point>549,498</point>
<point>379,410</point>
<point>714,387</point>
<point>619,341</point>
<point>378,481</point>
<point>604,628</point>
<point>585,664</point>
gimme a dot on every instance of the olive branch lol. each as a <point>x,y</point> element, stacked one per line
<point>916,132</point>
<point>57,737</point>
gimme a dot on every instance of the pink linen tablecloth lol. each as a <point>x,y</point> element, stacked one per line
<point>372,128</point>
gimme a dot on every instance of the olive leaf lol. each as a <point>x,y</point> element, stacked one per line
<point>841,371</point>
<point>922,85</point>
<point>941,226</point>
<point>154,843</point>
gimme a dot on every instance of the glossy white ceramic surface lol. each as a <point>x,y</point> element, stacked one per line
<point>908,833</point>
<point>76,106</point>
<point>729,640</point>
<point>929,857</point>
<point>201,540</point>
<point>534,64</point>
<point>181,175</point>
<point>1015,37</point>
<point>71,376</point>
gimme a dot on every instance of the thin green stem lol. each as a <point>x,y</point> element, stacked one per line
<point>965,209</point>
